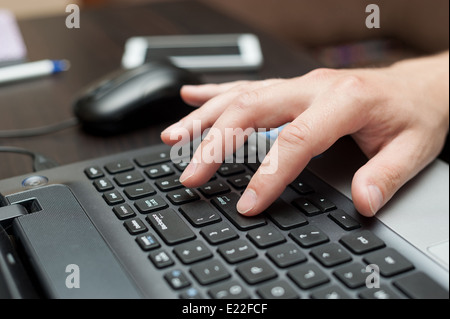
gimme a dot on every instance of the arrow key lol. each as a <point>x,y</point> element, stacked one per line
<point>192,252</point>
<point>308,236</point>
<point>344,220</point>
<point>331,254</point>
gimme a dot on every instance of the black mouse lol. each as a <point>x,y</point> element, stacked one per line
<point>132,98</point>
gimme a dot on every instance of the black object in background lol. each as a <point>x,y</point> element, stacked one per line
<point>129,99</point>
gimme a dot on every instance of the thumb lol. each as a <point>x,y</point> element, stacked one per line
<point>381,177</point>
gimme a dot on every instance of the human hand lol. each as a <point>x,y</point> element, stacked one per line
<point>399,117</point>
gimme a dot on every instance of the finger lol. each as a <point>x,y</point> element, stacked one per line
<point>310,134</point>
<point>380,178</point>
<point>266,107</point>
<point>204,117</point>
<point>197,95</point>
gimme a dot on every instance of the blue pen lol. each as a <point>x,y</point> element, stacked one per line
<point>32,70</point>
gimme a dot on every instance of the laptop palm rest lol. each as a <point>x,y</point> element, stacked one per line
<point>68,254</point>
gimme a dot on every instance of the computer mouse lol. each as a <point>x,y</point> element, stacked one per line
<point>129,99</point>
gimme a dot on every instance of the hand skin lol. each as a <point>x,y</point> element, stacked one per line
<point>398,116</point>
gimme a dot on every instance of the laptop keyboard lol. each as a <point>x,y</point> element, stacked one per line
<point>305,245</point>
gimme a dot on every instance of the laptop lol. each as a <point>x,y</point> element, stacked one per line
<point>123,226</point>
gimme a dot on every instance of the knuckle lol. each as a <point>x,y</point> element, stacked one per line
<point>320,73</point>
<point>246,100</point>
<point>240,86</point>
<point>353,85</point>
<point>296,135</point>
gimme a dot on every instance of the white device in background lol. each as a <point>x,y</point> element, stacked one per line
<point>212,52</point>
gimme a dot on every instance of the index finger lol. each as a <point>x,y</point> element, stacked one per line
<point>310,134</point>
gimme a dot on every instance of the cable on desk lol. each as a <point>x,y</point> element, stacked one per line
<point>40,162</point>
<point>38,131</point>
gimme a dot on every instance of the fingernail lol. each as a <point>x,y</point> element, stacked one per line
<point>375,198</point>
<point>247,201</point>
<point>188,172</point>
<point>171,128</point>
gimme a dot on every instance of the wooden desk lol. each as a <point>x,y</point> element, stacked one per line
<point>96,49</point>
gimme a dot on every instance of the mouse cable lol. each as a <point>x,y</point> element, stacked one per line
<point>40,162</point>
<point>38,131</point>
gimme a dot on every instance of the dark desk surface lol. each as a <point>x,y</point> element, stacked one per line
<point>96,49</point>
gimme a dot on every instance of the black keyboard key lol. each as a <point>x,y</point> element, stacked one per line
<point>229,290</point>
<point>103,184</point>
<point>119,166</point>
<point>192,252</point>
<point>181,166</point>
<point>383,292</point>
<point>331,254</point>
<point>182,196</point>
<point>147,242</point>
<point>420,286</point>
<point>322,202</point>
<point>93,172</point>
<point>256,271</point>
<point>353,275</point>
<point>128,178</point>
<point>139,191</point>
<point>227,205</point>
<point>158,171</point>
<point>218,233</point>
<point>284,215</point>
<point>266,236</point>
<point>306,207</point>
<point>308,236</point>
<point>307,276</point>
<point>113,198</point>
<point>209,272</point>
<point>228,169</point>
<point>302,188</point>
<point>200,213</point>
<point>279,289</point>
<point>253,165</point>
<point>286,255</point>
<point>330,292</point>
<point>135,226</point>
<point>240,181</point>
<point>177,279</point>
<point>236,251</point>
<point>160,258</point>
<point>124,211</point>
<point>389,261</point>
<point>214,188</point>
<point>344,220</point>
<point>170,227</point>
<point>362,242</point>
<point>152,159</point>
<point>150,204</point>
<point>169,183</point>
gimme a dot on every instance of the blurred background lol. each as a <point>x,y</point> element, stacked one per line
<point>333,31</point>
